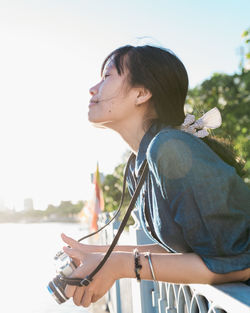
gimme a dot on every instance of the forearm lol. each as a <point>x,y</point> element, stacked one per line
<point>185,268</point>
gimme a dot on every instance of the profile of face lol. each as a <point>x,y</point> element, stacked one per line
<point>114,102</point>
<point>110,102</point>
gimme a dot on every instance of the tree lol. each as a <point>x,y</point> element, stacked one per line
<point>230,93</point>
<point>112,190</point>
<point>246,38</point>
<point>65,208</point>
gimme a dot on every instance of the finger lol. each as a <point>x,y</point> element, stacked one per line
<point>78,273</point>
<point>73,253</point>
<point>70,241</point>
<point>95,298</point>
<point>86,299</point>
<point>78,294</point>
<point>69,291</point>
<point>77,262</point>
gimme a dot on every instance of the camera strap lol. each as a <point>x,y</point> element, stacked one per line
<point>85,281</point>
<point>132,156</point>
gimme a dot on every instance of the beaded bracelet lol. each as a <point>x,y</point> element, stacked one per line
<point>138,265</point>
<point>148,256</point>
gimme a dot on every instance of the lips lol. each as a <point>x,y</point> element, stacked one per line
<point>92,102</point>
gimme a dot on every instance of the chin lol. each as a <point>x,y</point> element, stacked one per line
<point>91,118</point>
<point>95,122</point>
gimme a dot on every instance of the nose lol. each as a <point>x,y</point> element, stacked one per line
<point>93,90</point>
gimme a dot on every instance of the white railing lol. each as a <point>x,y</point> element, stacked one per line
<point>128,296</point>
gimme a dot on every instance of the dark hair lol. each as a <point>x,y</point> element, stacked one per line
<point>161,72</point>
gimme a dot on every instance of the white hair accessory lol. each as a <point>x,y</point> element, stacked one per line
<point>210,120</point>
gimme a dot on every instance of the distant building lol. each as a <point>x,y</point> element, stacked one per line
<point>28,204</point>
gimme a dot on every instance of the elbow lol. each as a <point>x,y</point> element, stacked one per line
<point>215,278</point>
<point>236,276</point>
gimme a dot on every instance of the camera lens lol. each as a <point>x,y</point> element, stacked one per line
<point>56,288</point>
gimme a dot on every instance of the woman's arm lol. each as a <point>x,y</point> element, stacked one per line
<point>152,248</point>
<point>187,268</point>
<point>179,268</point>
<point>176,268</point>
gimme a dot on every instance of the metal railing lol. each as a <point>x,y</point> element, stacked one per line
<point>129,296</point>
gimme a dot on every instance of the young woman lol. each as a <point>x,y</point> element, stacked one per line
<point>193,200</point>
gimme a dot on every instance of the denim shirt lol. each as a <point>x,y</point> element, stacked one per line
<point>192,201</point>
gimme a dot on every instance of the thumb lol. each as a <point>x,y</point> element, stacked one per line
<point>76,261</point>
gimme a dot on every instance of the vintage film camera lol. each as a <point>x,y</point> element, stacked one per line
<point>64,268</point>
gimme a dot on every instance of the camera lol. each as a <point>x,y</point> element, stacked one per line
<point>64,268</point>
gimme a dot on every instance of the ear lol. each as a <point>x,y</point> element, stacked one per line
<point>143,95</point>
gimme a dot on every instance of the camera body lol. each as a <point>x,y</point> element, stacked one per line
<point>64,268</point>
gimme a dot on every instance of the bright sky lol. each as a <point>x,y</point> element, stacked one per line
<point>51,53</point>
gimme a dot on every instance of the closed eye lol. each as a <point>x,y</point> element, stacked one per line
<point>105,76</point>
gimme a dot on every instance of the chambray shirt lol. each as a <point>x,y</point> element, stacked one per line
<point>192,201</point>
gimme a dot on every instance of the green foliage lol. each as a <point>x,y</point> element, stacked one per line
<point>112,191</point>
<point>9,216</point>
<point>230,93</point>
<point>112,188</point>
<point>245,33</point>
<point>65,208</point>
<point>246,44</point>
<point>246,37</point>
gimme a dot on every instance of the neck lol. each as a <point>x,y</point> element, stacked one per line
<point>131,139</point>
<point>132,133</point>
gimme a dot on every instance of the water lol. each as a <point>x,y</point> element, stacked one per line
<point>26,265</point>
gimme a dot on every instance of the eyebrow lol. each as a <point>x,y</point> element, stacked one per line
<point>107,70</point>
<point>104,73</point>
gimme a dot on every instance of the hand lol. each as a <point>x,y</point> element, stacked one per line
<point>102,281</point>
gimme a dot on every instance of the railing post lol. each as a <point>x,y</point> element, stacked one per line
<point>162,301</point>
<point>104,219</point>
<point>142,292</point>
<point>114,293</point>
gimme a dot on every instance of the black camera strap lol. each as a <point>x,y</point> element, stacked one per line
<point>132,156</point>
<point>85,281</point>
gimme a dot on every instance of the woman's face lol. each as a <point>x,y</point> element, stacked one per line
<point>113,100</point>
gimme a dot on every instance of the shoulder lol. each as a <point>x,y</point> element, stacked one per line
<point>177,153</point>
<point>172,142</point>
<point>171,152</point>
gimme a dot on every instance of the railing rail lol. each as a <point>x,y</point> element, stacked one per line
<point>127,296</point>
